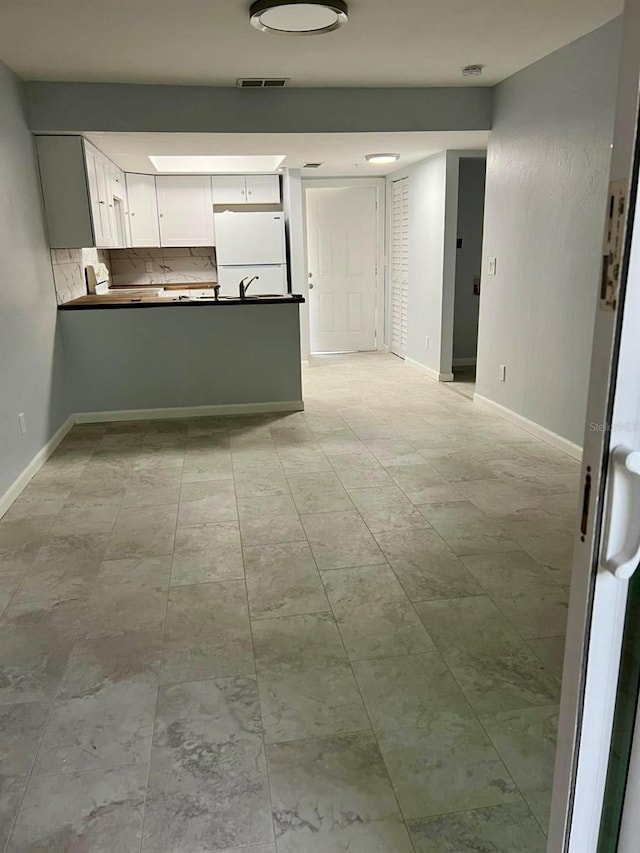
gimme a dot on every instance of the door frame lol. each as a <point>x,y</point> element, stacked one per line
<point>379,185</point>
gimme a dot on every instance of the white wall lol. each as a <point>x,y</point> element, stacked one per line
<point>547,175</point>
<point>31,375</point>
<point>469,257</point>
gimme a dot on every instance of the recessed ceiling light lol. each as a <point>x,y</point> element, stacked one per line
<point>381,158</point>
<point>198,164</point>
<point>299,17</point>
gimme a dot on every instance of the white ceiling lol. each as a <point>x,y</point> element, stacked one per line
<point>385,43</point>
<point>341,153</point>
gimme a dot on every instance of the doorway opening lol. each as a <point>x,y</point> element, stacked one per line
<point>344,235</point>
<point>470,219</point>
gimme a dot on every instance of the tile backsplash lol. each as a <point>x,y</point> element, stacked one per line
<point>163,266</point>
<point>68,270</point>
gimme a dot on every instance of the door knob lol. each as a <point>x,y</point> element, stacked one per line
<point>310,285</point>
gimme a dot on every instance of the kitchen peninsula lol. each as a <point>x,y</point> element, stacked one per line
<point>169,358</point>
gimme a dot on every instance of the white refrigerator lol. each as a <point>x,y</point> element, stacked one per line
<point>249,244</point>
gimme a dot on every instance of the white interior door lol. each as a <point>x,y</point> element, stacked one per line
<point>399,265</point>
<point>607,543</point>
<point>342,251</point>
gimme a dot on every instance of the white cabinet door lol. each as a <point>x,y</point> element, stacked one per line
<point>99,177</point>
<point>143,210</point>
<point>263,189</point>
<point>229,189</point>
<point>185,207</point>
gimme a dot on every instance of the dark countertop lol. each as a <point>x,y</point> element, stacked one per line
<point>110,300</point>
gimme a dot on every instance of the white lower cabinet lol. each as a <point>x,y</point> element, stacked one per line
<point>143,210</point>
<point>185,208</point>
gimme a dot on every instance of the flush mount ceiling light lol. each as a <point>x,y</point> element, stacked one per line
<point>298,17</point>
<point>377,159</point>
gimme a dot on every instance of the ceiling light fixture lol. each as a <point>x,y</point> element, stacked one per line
<point>376,159</point>
<point>298,17</point>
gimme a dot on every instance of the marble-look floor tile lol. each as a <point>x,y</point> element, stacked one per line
<point>23,531</point>
<point>419,481</point>
<point>35,643</point>
<point>312,702</point>
<point>524,591</point>
<point>269,520</point>
<point>95,811</point>
<point>360,471</point>
<point>373,613</point>
<point>206,502</point>
<point>550,650</point>
<point>340,540</point>
<point>493,665</point>
<point>459,466</point>
<point>465,529</point>
<point>143,532</point>
<point>425,565</point>
<point>307,459</point>
<point>260,481</point>
<point>526,742</point>
<point>386,508</point>
<point>499,829</point>
<point>20,729</point>
<point>98,662</point>
<point>125,605</point>
<point>500,500</point>
<point>207,552</point>
<point>282,580</point>
<point>439,757</point>
<point>320,492</point>
<point>548,542</point>
<point>254,848</point>
<point>207,632</point>
<point>395,451</point>
<point>332,795</point>
<point>11,791</point>
<point>208,781</point>
<point>100,730</point>
<point>155,487</point>
<point>90,515</point>
<point>297,642</point>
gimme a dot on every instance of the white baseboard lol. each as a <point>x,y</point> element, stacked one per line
<point>464,362</point>
<point>23,479</point>
<point>189,412</point>
<point>433,374</point>
<point>558,441</point>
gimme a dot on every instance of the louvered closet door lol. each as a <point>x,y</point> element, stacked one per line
<point>400,266</point>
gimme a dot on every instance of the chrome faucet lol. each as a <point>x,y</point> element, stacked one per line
<point>244,285</point>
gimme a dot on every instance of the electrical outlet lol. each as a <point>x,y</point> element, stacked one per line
<point>503,372</point>
<point>148,265</point>
<point>426,342</point>
<point>22,423</point>
<point>492,266</point>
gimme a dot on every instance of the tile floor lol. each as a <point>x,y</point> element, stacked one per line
<point>338,630</point>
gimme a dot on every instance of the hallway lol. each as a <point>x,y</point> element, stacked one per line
<point>337,630</point>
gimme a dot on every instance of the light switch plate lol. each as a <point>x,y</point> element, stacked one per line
<point>492,266</point>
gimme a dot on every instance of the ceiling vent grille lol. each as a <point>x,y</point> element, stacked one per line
<point>312,165</point>
<point>262,82</point>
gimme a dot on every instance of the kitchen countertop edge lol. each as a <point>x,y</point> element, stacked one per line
<point>83,303</point>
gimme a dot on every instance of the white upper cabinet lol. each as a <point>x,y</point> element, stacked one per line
<point>185,208</point>
<point>101,196</point>
<point>229,189</point>
<point>263,189</point>
<point>143,210</point>
<point>246,189</point>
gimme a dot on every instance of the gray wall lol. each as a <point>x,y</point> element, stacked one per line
<point>31,377</point>
<point>547,177</point>
<point>471,183</point>
<point>77,107</point>
<point>205,355</point>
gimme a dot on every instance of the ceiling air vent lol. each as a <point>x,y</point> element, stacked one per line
<point>262,82</point>
<point>312,165</point>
